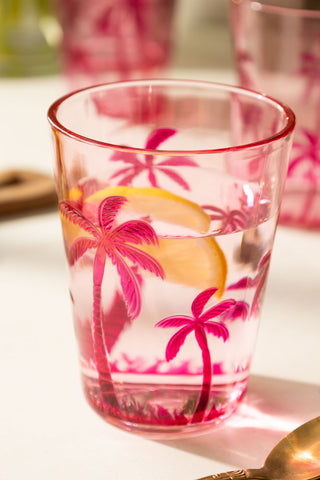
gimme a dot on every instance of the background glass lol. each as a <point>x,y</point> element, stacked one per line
<point>277,50</point>
<point>108,40</point>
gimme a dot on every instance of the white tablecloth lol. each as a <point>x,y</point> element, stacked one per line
<point>47,431</point>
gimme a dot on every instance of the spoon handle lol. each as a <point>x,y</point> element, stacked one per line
<point>234,475</point>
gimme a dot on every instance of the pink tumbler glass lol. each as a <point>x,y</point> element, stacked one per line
<point>277,51</point>
<point>169,195</point>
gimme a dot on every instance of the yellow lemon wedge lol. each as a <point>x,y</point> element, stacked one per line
<point>75,194</point>
<point>159,204</point>
<point>195,262</point>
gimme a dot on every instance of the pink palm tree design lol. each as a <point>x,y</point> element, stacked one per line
<point>115,242</point>
<point>150,163</point>
<point>200,323</point>
<point>231,220</point>
<point>307,151</point>
<point>122,17</point>
<point>307,156</point>
<point>105,19</point>
<point>258,281</point>
<point>310,69</point>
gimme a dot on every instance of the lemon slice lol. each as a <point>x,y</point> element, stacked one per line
<point>160,205</point>
<point>75,194</point>
<point>194,262</point>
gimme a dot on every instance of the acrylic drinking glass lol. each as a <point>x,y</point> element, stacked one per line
<point>114,40</point>
<point>277,51</point>
<point>168,194</point>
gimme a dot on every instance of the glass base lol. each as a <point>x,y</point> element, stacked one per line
<point>163,410</point>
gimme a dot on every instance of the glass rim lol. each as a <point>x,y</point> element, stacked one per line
<point>290,119</point>
<point>260,5</point>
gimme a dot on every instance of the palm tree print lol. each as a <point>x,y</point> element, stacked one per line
<point>150,164</point>
<point>117,243</point>
<point>105,19</point>
<point>233,220</point>
<point>310,69</point>
<point>230,220</point>
<point>200,323</point>
<point>307,151</point>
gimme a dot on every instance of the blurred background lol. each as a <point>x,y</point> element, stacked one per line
<point>32,30</point>
<point>49,47</point>
<point>202,38</point>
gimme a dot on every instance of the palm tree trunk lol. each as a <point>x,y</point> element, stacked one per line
<point>99,347</point>
<point>207,374</point>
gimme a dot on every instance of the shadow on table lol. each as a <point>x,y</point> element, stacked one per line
<point>272,408</point>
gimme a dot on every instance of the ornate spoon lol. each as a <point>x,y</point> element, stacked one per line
<point>295,457</point>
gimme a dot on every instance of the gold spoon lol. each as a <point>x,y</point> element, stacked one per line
<point>295,457</point>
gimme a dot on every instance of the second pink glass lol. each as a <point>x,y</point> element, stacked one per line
<point>169,195</point>
<point>277,50</point>
<point>113,40</point>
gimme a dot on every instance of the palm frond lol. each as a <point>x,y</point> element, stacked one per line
<point>200,301</point>
<point>108,210</point>
<point>143,259</point>
<point>71,213</point>
<point>174,321</point>
<point>79,248</point>
<point>136,231</point>
<point>217,329</point>
<point>218,309</point>
<point>176,342</point>
<point>158,136</point>
<point>175,177</point>
<point>130,287</point>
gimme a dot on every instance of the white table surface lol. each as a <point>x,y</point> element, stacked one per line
<point>47,430</point>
